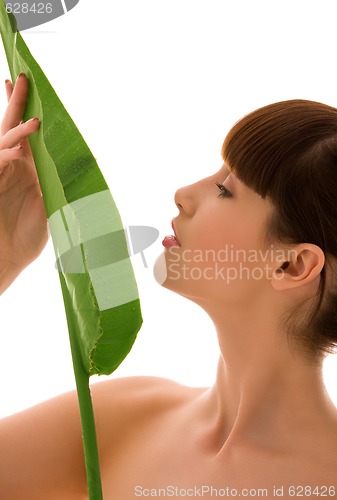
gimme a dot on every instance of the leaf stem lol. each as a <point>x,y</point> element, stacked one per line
<point>85,405</point>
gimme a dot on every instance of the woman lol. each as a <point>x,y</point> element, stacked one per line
<point>255,246</point>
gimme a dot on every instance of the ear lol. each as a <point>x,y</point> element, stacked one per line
<point>305,263</point>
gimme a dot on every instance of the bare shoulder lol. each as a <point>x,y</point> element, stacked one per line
<point>130,412</point>
<point>41,448</point>
<point>143,387</point>
<point>122,401</point>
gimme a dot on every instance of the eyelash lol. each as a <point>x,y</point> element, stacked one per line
<point>224,193</point>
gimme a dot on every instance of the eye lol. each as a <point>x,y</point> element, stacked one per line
<point>224,193</point>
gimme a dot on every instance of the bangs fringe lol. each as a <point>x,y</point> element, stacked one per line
<point>262,148</point>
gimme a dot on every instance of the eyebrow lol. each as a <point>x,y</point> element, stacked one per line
<point>226,167</point>
<point>233,178</point>
<point>235,183</point>
<point>229,173</point>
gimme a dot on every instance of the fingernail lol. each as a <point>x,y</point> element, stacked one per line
<point>32,120</point>
<point>21,75</point>
<point>7,81</point>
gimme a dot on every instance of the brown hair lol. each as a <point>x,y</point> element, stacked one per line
<point>287,152</point>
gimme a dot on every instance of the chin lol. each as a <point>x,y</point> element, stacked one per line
<point>167,273</point>
<point>173,282</point>
<point>160,269</point>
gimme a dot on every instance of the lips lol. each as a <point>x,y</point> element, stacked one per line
<point>170,240</point>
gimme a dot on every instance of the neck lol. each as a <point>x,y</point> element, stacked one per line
<point>265,393</point>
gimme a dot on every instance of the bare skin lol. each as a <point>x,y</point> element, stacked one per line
<point>266,422</point>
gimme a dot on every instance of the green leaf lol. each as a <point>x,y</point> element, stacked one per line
<point>97,280</point>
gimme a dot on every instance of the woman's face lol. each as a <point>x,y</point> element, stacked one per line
<point>219,248</point>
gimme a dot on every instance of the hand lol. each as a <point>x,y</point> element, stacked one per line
<point>23,219</point>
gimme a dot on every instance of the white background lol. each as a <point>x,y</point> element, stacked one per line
<point>154,86</point>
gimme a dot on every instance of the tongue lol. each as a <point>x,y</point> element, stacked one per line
<point>170,241</point>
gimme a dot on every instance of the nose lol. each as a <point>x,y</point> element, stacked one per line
<point>185,199</point>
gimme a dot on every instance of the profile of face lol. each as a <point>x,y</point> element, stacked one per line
<point>264,223</point>
<point>219,248</point>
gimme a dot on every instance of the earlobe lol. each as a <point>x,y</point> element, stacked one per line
<point>305,264</point>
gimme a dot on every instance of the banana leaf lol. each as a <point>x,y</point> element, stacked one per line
<point>97,280</point>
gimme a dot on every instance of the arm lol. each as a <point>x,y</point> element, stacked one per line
<point>23,220</point>
<point>41,452</point>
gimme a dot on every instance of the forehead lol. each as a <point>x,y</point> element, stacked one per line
<point>232,178</point>
<point>244,193</point>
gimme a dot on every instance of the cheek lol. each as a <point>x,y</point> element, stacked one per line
<point>219,256</point>
<point>224,232</point>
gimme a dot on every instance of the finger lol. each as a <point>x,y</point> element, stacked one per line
<point>16,105</point>
<point>8,155</point>
<point>17,134</point>
<point>9,89</point>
